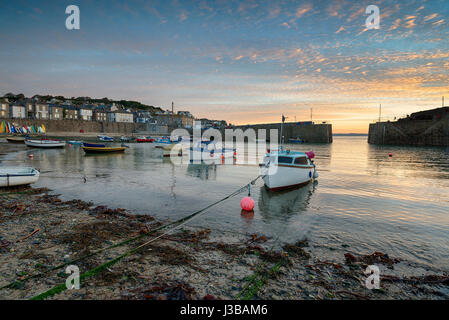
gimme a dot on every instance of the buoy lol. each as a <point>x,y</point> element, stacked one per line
<point>247,203</point>
<point>31,156</point>
<point>390,154</point>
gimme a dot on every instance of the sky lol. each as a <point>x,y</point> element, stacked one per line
<point>241,61</point>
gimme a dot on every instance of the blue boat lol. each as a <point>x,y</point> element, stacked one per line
<point>105,138</point>
<point>295,140</point>
<point>93,145</point>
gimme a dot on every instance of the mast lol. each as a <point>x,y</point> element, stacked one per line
<point>172,116</point>
<point>380,112</point>
<point>282,129</point>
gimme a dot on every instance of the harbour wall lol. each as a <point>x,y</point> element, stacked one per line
<point>309,132</point>
<point>77,126</point>
<point>433,132</point>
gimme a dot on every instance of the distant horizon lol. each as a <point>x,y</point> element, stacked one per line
<point>244,62</point>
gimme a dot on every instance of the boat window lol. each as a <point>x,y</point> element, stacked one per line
<point>301,160</point>
<point>285,160</point>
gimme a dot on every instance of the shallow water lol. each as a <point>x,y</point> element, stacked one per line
<point>363,201</point>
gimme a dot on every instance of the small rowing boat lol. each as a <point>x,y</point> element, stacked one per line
<point>103,149</point>
<point>15,139</point>
<point>17,176</point>
<point>75,142</point>
<point>295,140</point>
<point>45,143</point>
<point>105,138</point>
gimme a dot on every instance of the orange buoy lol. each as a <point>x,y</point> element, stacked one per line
<point>247,204</point>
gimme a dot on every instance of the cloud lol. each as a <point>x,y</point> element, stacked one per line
<point>302,10</point>
<point>340,30</point>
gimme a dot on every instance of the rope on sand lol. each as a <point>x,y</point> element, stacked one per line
<point>176,225</point>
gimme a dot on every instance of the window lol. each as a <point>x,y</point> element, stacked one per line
<point>285,160</point>
<point>301,160</point>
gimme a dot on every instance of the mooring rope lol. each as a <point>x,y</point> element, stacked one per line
<point>177,224</point>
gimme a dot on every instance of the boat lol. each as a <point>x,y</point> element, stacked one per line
<point>103,149</point>
<point>144,139</point>
<point>167,150</point>
<point>15,139</point>
<point>284,169</point>
<point>75,142</point>
<point>93,145</point>
<point>162,142</point>
<point>208,151</point>
<point>17,176</point>
<point>295,140</point>
<point>45,143</point>
<point>105,138</point>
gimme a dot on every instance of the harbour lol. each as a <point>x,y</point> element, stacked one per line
<point>378,198</point>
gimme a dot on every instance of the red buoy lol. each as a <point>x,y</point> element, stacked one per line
<point>390,154</point>
<point>247,203</point>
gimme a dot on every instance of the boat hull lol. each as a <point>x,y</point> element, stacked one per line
<point>10,177</point>
<point>45,143</point>
<point>103,149</point>
<point>15,140</point>
<point>286,177</point>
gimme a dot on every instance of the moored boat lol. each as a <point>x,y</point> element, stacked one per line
<point>75,142</point>
<point>17,176</point>
<point>105,138</point>
<point>144,139</point>
<point>295,140</point>
<point>208,150</point>
<point>103,149</point>
<point>284,169</point>
<point>15,139</point>
<point>45,143</point>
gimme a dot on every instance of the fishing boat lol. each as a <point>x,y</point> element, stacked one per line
<point>208,151</point>
<point>105,138</point>
<point>284,169</point>
<point>17,176</point>
<point>101,148</point>
<point>15,139</point>
<point>45,143</point>
<point>295,140</point>
<point>142,139</point>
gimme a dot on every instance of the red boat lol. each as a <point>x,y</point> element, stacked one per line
<point>144,140</point>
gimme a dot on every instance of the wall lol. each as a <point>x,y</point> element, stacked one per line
<point>411,132</point>
<point>314,133</point>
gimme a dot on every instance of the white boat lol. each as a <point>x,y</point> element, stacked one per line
<point>45,143</point>
<point>208,151</point>
<point>283,169</point>
<point>17,176</point>
<point>105,138</point>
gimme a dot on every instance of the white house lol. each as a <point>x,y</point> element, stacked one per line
<point>85,114</point>
<point>120,117</point>
<point>41,111</point>
<point>17,112</point>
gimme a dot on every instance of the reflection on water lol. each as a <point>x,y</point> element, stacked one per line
<point>282,205</point>
<point>365,199</point>
<point>203,171</point>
